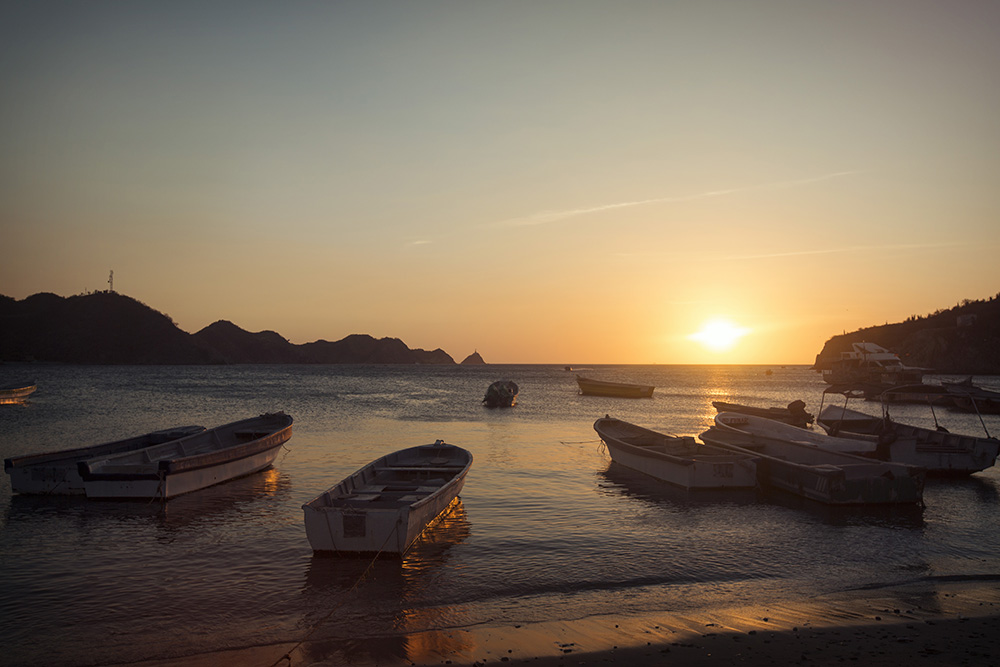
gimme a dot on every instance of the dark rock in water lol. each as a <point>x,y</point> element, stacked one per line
<point>501,394</point>
<point>473,360</point>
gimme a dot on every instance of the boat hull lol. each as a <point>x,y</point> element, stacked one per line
<point>940,452</point>
<point>589,387</point>
<point>384,507</point>
<point>16,393</point>
<point>189,464</point>
<point>56,473</point>
<point>676,460</point>
<point>830,477</point>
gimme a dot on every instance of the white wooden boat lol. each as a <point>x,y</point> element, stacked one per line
<point>806,469</point>
<point>385,506</point>
<point>679,460</point>
<point>937,450</point>
<point>189,464</point>
<point>16,392</point>
<point>795,414</point>
<point>56,472</point>
<point>591,387</point>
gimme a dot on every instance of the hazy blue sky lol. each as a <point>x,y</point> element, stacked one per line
<point>562,181</point>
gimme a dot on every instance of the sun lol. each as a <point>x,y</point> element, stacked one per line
<point>719,334</point>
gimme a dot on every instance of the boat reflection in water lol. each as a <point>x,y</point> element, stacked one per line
<point>365,610</point>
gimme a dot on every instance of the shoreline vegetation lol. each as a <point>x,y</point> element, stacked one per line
<point>936,622</point>
<point>111,328</point>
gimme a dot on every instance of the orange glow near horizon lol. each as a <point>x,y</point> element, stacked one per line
<point>719,334</point>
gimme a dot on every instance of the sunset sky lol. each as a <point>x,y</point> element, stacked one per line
<point>542,181</point>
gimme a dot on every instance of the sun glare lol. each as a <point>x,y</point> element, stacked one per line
<point>719,335</point>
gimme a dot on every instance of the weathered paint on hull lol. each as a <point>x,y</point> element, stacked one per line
<point>720,473</point>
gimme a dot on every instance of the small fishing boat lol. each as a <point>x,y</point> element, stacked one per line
<point>937,450</point>
<point>795,414</point>
<point>967,397</point>
<point>679,460</point>
<point>16,392</point>
<point>191,463</point>
<point>56,472</point>
<point>501,394</point>
<point>926,394</point>
<point>802,467</point>
<point>590,387</point>
<point>385,506</point>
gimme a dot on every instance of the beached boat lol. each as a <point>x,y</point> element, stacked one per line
<point>15,392</point>
<point>501,394</point>
<point>795,414</point>
<point>385,506</point>
<point>191,463</point>
<point>590,387</point>
<point>818,473</point>
<point>56,472</point>
<point>937,450</point>
<point>679,460</point>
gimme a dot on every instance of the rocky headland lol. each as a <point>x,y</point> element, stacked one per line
<point>111,328</point>
<point>962,340</point>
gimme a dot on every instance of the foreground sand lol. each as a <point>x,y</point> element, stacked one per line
<point>943,623</point>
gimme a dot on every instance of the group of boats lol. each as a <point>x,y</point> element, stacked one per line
<point>852,459</point>
<point>839,457</point>
<point>381,508</point>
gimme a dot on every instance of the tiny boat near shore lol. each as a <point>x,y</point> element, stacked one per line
<point>191,463</point>
<point>16,392</point>
<point>386,505</point>
<point>56,472</point>
<point>591,387</point>
<point>802,467</point>
<point>678,460</point>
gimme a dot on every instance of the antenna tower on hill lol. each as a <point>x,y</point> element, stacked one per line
<point>111,281</point>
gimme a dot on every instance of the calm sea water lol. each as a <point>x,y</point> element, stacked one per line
<point>547,528</point>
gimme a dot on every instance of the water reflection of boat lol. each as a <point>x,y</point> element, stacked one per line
<point>591,387</point>
<point>385,506</point>
<point>399,606</point>
<point>16,392</point>
<point>56,472</point>
<point>679,460</point>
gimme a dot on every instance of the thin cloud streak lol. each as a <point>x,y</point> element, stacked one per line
<point>830,251</point>
<point>552,216</point>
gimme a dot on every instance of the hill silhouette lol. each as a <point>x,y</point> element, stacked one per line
<point>962,340</point>
<point>111,328</point>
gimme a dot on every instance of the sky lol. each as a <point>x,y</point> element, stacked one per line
<point>543,181</point>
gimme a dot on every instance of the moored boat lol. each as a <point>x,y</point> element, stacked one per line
<point>501,394</point>
<point>591,387</point>
<point>868,363</point>
<point>937,450</point>
<point>795,414</point>
<point>385,506</point>
<point>191,463</point>
<point>808,470</point>
<point>57,473</point>
<point>678,460</point>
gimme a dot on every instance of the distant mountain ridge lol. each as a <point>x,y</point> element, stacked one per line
<point>111,328</point>
<point>964,340</point>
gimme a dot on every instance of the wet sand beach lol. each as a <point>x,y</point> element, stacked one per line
<point>947,623</point>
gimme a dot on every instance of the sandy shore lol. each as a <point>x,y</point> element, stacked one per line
<point>945,623</point>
